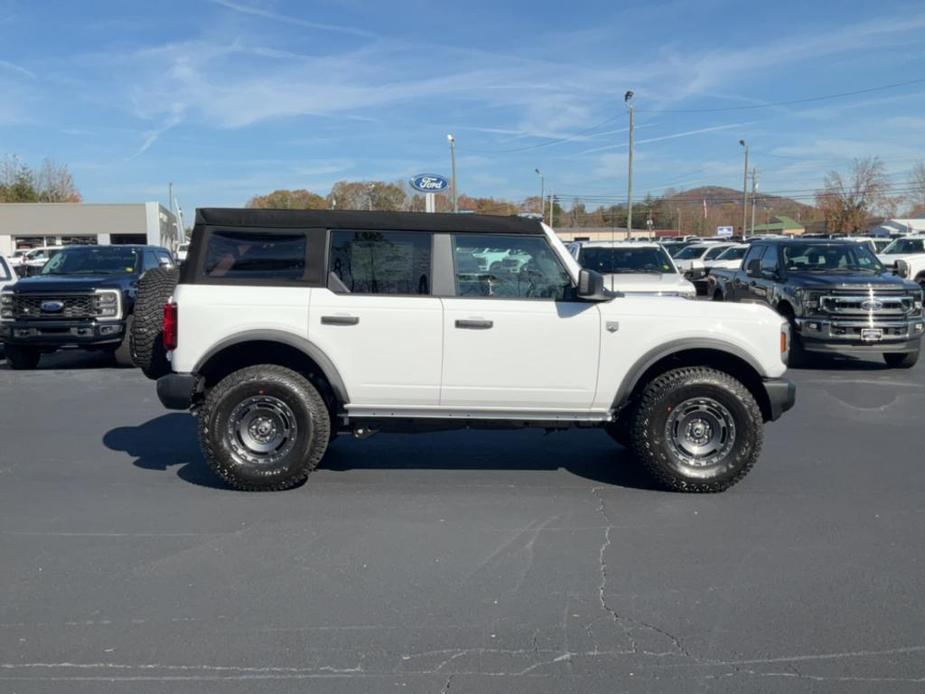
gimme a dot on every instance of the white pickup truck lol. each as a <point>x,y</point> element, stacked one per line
<point>289,327</point>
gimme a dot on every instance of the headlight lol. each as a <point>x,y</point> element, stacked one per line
<point>809,300</point>
<point>6,307</point>
<point>108,304</point>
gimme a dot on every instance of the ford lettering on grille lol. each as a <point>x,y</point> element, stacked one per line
<point>52,306</point>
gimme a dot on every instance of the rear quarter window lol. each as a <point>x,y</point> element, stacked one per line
<point>247,255</point>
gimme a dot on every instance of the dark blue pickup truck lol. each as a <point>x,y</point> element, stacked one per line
<point>83,297</point>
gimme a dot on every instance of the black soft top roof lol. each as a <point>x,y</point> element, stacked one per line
<point>358,219</point>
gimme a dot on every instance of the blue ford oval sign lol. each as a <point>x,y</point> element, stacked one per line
<point>429,183</point>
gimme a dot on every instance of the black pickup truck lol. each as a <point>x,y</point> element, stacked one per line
<point>83,297</point>
<point>837,296</point>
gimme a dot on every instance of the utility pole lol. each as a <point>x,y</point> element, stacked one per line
<point>452,141</point>
<point>628,100</point>
<point>754,197</point>
<point>542,194</point>
<point>745,190</point>
<point>552,208</point>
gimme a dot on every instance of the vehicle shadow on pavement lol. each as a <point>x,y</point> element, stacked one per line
<point>840,362</point>
<point>171,442</point>
<point>163,443</point>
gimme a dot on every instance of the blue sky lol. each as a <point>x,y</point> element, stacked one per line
<point>231,98</point>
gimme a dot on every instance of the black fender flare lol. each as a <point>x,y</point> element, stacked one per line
<point>302,344</point>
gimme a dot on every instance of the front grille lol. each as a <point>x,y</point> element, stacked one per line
<point>53,307</point>
<point>880,303</point>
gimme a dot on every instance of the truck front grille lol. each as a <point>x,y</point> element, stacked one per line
<point>57,307</point>
<point>884,304</point>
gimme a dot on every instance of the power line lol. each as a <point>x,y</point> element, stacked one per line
<point>790,102</point>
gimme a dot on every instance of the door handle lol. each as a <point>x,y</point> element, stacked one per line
<point>339,320</point>
<point>473,324</point>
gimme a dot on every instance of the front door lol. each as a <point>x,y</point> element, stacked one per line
<point>378,320</point>
<point>513,339</point>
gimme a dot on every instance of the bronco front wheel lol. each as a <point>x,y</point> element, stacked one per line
<point>264,427</point>
<point>697,429</point>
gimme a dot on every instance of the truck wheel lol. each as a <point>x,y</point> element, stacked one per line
<point>718,295</point>
<point>264,428</point>
<point>123,353</point>
<point>22,358</point>
<point>901,360</point>
<point>146,336</point>
<point>619,430</point>
<point>697,429</point>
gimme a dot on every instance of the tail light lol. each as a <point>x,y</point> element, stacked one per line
<point>170,327</point>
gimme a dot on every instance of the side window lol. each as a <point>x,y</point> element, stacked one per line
<point>713,252</point>
<point>150,261</point>
<point>754,253</point>
<point>517,267</point>
<point>250,255</point>
<point>769,261</point>
<point>163,258</point>
<point>380,262</point>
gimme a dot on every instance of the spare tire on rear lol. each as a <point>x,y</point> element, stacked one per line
<point>147,336</point>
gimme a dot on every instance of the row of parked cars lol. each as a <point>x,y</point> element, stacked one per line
<point>840,295</point>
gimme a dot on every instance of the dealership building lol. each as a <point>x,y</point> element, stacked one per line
<point>30,225</point>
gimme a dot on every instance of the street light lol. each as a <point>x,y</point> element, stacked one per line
<point>452,141</point>
<point>745,189</point>
<point>628,100</point>
<point>542,194</point>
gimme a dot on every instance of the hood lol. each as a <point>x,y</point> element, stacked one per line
<point>647,282</point>
<point>847,280</point>
<point>41,284</point>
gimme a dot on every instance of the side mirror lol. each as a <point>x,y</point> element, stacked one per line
<point>591,286</point>
<point>753,269</point>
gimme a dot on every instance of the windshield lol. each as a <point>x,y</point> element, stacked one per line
<point>621,260</point>
<point>905,246</point>
<point>691,252</point>
<point>733,253</point>
<point>808,257</point>
<point>102,260</point>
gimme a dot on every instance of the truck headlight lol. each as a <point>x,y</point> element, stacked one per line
<point>108,304</point>
<point>6,307</point>
<point>809,300</point>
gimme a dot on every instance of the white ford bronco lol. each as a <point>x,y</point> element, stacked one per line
<point>287,328</point>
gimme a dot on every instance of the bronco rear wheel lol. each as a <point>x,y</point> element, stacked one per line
<point>264,427</point>
<point>697,430</point>
<point>147,334</point>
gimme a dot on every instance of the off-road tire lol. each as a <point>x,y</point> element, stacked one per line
<point>146,339</point>
<point>673,388</point>
<point>901,360</point>
<point>218,441</point>
<point>22,358</point>
<point>123,353</point>
<point>718,295</point>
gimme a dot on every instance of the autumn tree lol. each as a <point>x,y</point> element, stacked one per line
<point>367,195</point>
<point>55,183</point>
<point>21,183</point>
<point>917,189</point>
<point>299,199</point>
<point>847,201</point>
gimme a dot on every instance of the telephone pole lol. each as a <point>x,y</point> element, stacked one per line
<point>628,100</point>
<point>745,190</point>
<point>452,140</point>
<point>542,194</point>
<point>754,197</point>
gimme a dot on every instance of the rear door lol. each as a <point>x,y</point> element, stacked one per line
<point>378,320</point>
<point>514,337</point>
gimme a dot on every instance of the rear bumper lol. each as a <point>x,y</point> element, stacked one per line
<point>782,394</point>
<point>55,333</point>
<point>175,391</point>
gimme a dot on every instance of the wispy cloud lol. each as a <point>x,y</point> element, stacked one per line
<point>18,69</point>
<point>672,136</point>
<point>294,21</point>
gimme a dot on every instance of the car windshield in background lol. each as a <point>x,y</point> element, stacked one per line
<point>905,246</point>
<point>733,253</point>
<point>618,260</point>
<point>691,252</point>
<point>808,257</point>
<point>102,260</point>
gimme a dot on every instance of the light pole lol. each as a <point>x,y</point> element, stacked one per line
<point>754,198</point>
<point>542,194</point>
<point>628,100</point>
<point>745,189</point>
<point>452,141</point>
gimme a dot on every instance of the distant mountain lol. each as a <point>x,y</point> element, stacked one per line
<point>719,196</point>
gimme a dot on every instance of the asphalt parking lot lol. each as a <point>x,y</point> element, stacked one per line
<point>457,562</point>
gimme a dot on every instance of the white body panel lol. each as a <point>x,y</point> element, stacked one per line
<point>7,274</point>
<point>392,356</point>
<point>650,283</point>
<point>537,354</point>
